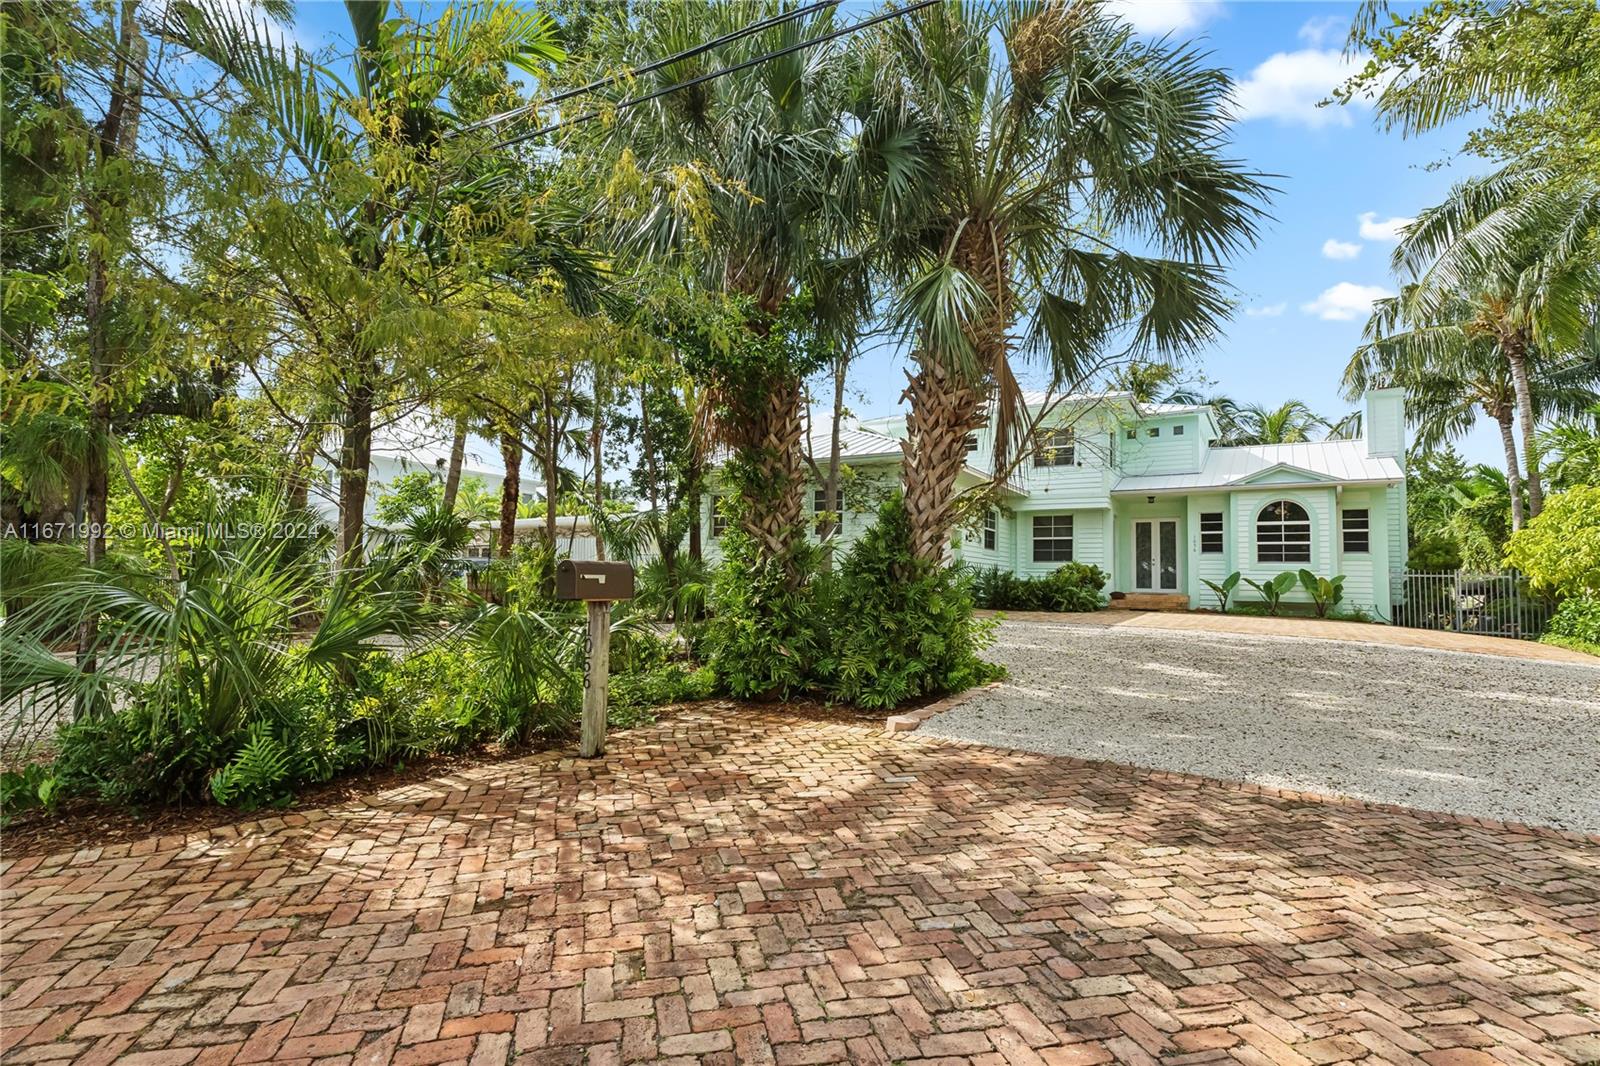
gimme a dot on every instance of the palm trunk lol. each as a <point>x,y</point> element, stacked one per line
<point>944,409</point>
<point>510,490</point>
<point>1516,349</point>
<point>774,501</point>
<point>1513,473</point>
<point>458,455</point>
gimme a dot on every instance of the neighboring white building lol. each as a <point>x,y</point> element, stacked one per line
<point>408,446</point>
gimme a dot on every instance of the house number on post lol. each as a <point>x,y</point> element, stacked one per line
<point>598,585</point>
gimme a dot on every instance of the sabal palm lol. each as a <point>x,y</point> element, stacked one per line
<point>736,182</point>
<point>1044,173</point>
<point>1513,257</point>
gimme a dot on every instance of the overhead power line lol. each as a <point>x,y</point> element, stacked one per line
<point>648,68</point>
<point>798,46</point>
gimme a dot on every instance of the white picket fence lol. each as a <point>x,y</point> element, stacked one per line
<point>1494,604</point>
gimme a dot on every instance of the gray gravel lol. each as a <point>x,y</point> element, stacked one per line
<point>1481,735</point>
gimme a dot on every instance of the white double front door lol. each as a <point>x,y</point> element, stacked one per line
<point>1155,555</point>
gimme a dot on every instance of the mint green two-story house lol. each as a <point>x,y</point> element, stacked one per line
<point>1144,492</point>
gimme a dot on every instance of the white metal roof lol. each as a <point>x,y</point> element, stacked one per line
<point>1328,460</point>
<point>854,442</point>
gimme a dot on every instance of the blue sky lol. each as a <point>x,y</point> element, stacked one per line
<point>1343,186</point>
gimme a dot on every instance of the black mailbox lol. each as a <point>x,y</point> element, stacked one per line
<point>594,581</point>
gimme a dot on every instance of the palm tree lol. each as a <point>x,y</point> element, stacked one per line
<point>736,182</point>
<point>1452,372</point>
<point>1041,167</point>
<point>399,111</point>
<point>1291,422</point>
<point>1515,257</point>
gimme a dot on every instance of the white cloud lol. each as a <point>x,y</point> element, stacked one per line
<point>1374,228</point>
<point>1267,311</point>
<point>1289,86</point>
<point>1345,302</point>
<point>1324,30</point>
<point>1165,16</point>
<point>1337,249</point>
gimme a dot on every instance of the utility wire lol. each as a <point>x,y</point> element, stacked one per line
<point>589,116</point>
<point>687,53</point>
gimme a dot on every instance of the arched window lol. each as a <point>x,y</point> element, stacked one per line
<point>1283,533</point>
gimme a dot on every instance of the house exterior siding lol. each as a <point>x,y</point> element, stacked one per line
<point>1158,463</point>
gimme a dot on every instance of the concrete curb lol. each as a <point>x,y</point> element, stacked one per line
<point>905,723</point>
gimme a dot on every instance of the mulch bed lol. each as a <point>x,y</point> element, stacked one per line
<point>87,823</point>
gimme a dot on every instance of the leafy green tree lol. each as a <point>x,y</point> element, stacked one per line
<point>1041,171</point>
<point>370,160</point>
<point>1526,68</point>
<point>1291,422</point>
<point>1571,452</point>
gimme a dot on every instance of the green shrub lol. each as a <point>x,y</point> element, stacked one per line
<point>767,634</point>
<point>1273,589</point>
<point>1435,552</point>
<point>1223,589</point>
<point>1326,593</point>
<point>1559,549</point>
<point>904,627</point>
<point>1069,587</point>
<point>1577,623</point>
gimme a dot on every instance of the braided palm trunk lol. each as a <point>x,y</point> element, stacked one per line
<point>944,409</point>
<point>774,496</point>
<point>945,405</point>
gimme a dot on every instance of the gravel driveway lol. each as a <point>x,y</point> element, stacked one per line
<point>1471,734</point>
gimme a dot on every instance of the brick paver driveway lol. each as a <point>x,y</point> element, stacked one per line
<point>731,885</point>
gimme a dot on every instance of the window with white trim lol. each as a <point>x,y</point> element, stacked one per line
<point>1177,431</point>
<point>1055,447</point>
<point>1153,431</point>
<point>1283,533</point>
<point>991,529</point>
<point>1210,532</point>
<point>719,520</point>
<point>1052,538</point>
<point>972,443</point>
<point>1356,525</point>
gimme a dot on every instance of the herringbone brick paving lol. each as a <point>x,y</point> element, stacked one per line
<point>737,886</point>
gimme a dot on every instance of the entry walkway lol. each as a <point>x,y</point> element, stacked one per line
<point>761,887</point>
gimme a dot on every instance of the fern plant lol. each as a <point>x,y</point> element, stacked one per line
<point>259,775</point>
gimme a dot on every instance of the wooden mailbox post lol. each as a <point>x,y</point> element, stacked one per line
<point>598,585</point>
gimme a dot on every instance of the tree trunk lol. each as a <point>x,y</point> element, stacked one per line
<point>774,502</point>
<point>458,454</point>
<point>510,490</point>
<point>596,438</point>
<point>830,485</point>
<point>117,137</point>
<point>297,492</point>
<point>355,461</point>
<point>1513,474</point>
<point>943,411</point>
<point>1516,349</point>
<point>552,471</point>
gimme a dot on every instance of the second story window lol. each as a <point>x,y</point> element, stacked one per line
<point>719,520</point>
<point>1153,431</point>
<point>1055,447</point>
<point>972,443</point>
<point>1177,431</point>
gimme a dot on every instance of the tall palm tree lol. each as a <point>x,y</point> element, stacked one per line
<point>1046,172</point>
<point>735,181</point>
<point>1453,371</point>
<point>1522,253</point>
